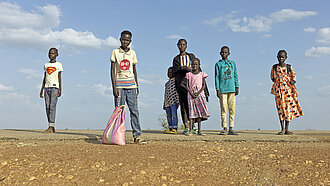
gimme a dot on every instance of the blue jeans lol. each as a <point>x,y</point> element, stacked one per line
<point>51,95</point>
<point>172,116</point>
<point>130,96</point>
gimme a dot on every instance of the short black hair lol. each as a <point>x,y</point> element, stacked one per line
<point>53,49</point>
<point>182,40</point>
<point>223,47</point>
<point>125,32</point>
<point>280,51</point>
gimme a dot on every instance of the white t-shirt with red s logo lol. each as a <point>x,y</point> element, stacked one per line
<point>52,70</point>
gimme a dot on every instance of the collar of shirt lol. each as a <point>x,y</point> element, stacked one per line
<point>122,51</point>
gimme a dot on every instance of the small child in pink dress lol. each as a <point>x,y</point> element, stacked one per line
<point>196,96</point>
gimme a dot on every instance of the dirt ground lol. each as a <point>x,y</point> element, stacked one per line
<point>173,162</point>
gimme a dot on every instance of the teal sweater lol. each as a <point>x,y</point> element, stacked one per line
<point>226,79</point>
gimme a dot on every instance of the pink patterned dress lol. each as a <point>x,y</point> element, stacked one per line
<point>286,95</point>
<point>197,107</point>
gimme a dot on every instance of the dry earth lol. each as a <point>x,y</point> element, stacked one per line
<point>179,160</point>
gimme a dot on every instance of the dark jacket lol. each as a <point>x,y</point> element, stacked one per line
<point>179,72</point>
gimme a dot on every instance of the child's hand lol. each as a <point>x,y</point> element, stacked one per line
<point>196,94</point>
<point>236,91</point>
<point>115,92</point>
<point>41,95</point>
<point>192,95</point>
<point>218,93</point>
<point>59,93</point>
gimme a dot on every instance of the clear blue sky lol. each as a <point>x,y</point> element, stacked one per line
<point>86,31</point>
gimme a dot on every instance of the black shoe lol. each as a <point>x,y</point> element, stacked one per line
<point>232,133</point>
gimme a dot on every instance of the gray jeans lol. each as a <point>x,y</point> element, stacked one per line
<point>51,95</point>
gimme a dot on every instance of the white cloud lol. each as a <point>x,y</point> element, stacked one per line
<point>35,29</point>
<point>325,90</point>
<point>12,16</point>
<point>309,77</point>
<point>317,51</point>
<point>16,99</point>
<point>5,88</point>
<point>80,86</point>
<point>258,23</point>
<point>175,36</point>
<point>246,24</point>
<point>30,73</point>
<point>290,15</point>
<point>309,29</point>
<point>103,90</point>
<point>323,35</point>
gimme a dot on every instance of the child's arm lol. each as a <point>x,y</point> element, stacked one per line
<point>177,67</point>
<point>43,86</point>
<point>191,94</point>
<point>164,101</point>
<point>236,80</point>
<point>136,80</point>
<point>293,77</point>
<point>217,80</point>
<point>60,84</point>
<point>113,79</point>
<point>272,74</point>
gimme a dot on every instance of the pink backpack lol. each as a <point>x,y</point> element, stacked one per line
<point>114,133</point>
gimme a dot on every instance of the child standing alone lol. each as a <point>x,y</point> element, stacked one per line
<point>124,82</point>
<point>226,84</point>
<point>171,103</point>
<point>196,97</point>
<point>52,84</point>
<point>285,92</point>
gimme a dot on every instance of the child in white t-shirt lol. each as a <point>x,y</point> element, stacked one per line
<point>52,86</point>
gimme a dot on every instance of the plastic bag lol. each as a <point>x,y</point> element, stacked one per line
<point>114,133</point>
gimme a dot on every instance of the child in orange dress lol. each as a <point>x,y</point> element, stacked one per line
<point>286,95</point>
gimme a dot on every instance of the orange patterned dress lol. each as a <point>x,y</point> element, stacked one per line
<point>286,95</point>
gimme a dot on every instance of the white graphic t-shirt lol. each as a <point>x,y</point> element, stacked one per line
<point>52,70</point>
<point>124,67</point>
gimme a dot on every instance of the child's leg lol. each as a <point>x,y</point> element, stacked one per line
<point>130,95</point>
<point>183,106</point>
<point>287,128</point>
<point>231,107</point>
<point>282,128</point>
<point>223,106</point>
<point>52,106</point>
<point>199,120</point>
<point>169,117</point>
<point>191,123</point>
<point>174,109</point>
<point>47,94</point>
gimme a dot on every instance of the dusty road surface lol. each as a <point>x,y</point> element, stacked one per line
<point>76,157</point>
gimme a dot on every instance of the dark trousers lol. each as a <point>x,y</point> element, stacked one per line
<point>183,99</point>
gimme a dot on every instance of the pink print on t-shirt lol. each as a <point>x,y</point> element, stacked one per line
<point>124,64</point>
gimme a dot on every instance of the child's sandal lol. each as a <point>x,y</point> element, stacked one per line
<point>223,132</point>
<point>280,133</point>
<point>288,133</point>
